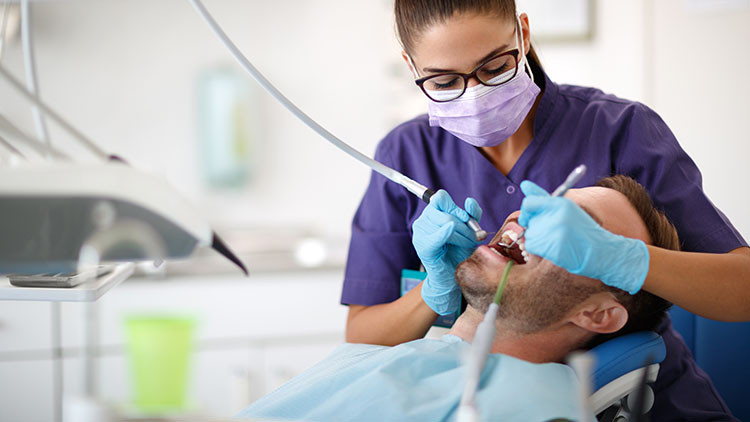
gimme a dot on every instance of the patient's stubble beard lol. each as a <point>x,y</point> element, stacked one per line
<point>534,298</point>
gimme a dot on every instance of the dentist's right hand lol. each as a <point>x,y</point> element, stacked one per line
<point>442,241</point>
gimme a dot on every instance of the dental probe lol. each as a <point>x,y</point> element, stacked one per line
<point>569,182</point>
<point>412,186</point>
<point>480,350</point>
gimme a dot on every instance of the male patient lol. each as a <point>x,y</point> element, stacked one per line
<point>545,314</point>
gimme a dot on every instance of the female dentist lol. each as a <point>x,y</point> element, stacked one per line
<point>495,119</point>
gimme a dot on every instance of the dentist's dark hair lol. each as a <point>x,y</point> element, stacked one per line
<point>413,17</point>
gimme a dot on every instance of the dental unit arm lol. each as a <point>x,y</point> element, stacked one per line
<point>51,210</point>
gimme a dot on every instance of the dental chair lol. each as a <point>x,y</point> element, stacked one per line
<point>719,348</point>
<point>621,366</point>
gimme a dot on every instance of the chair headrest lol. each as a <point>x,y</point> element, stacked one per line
<point>624,354</point>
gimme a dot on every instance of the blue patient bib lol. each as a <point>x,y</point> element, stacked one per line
<point>419,381</point>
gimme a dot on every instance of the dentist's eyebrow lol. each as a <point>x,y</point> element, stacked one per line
<point>480,61</point>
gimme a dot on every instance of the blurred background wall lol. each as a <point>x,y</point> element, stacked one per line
<point>127,73</point>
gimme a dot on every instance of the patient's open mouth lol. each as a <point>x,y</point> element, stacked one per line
<point>517,252</point>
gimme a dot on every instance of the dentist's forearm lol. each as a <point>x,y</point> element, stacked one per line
<point>715,286</point>
<point>389,324</point>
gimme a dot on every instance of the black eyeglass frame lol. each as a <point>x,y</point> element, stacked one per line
<point>466,76</point>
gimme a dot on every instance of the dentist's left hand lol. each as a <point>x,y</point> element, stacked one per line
<point>557,229</point>
<point>442,241</point>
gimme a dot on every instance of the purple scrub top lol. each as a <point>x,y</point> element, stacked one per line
<point>573,125</point>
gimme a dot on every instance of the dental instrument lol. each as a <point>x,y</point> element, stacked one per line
<point>480,350</point>
<point>412,186</point>
<point>33,195</point>
<point>569,182</point>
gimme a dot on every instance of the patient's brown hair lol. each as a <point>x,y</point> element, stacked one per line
<point>645,310</point>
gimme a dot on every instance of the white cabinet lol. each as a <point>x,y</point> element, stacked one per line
<point>24,326</point>
<point>26,391</point>
<point>251,335</point>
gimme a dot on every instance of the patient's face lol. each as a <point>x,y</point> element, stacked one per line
<point>540,293</point>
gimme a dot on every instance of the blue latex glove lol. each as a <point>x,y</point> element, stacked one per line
<point>443,240</point>
<point>558,230</point>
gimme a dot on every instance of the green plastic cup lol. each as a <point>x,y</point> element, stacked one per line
<point>159,348</point>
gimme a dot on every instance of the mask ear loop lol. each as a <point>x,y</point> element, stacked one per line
<point>521,46</point>
<point>413,67</point>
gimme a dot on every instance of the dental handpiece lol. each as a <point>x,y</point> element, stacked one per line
<point>412,186</point>
<point>479,233</point>
<point>570,181</point>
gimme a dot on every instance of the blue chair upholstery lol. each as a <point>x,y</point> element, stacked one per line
<point>621,365</point>
<point>624,354</point>
<point>722,349</point>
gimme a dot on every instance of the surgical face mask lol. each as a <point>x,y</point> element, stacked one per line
<point>485,116</point>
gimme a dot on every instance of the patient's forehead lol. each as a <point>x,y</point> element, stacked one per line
<point>612,210</point>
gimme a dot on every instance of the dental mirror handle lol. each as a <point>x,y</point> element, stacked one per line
<point>479,233</point>
<point>570,181</point>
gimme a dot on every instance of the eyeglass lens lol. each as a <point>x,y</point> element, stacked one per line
<point>449,86</point>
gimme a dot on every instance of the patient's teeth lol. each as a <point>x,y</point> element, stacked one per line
<point>505,237</point>
<point>509,236</point>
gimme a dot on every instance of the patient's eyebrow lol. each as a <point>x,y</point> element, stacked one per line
<point>592,215</point>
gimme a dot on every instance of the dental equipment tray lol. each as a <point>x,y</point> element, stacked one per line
<point>60,280</point>
<point>88,291</point>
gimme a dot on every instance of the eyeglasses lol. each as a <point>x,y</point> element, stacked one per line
<point>444,87</point>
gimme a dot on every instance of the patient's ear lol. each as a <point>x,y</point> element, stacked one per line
<point>600,313</point>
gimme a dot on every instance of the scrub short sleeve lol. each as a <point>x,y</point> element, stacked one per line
<point>651,154</point>
<point>380,245</point>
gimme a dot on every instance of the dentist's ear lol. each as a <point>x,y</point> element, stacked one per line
<point>524,18</point>
<point>601,313</point>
